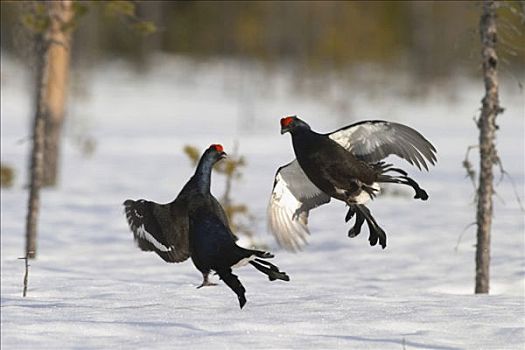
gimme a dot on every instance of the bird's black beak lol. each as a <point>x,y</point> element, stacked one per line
<point>284,130</point>
<point>223,155</point>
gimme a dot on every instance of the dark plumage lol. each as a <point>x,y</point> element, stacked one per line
<point>347,165</point>
<point>195,225</point>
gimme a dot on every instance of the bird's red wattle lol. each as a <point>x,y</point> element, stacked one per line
<point>218,147</point>
<point>286,121</point>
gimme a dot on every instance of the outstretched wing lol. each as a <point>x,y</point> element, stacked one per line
<point>374,140</point>
<point>293,196</point>
<point>162,228</point>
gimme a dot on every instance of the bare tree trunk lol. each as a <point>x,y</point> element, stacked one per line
<point>487,134</point>
<point>57,67</point>
<point>36,170</point>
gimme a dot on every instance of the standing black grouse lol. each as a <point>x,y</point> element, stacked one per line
<point>346,165</point>
<point>195,225</point>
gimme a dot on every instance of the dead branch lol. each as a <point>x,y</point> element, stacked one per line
<point>511,180</point>
<point>460,237</point>
<point>471,172</point>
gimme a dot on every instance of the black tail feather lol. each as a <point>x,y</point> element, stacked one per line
<point>376,232</point>
<point>373,237</point>
<point>385,168</point>
<point>233,282</point>
<point>272,272</point>
<point>359,220</point>
<point>405,180</point>
<point>261,254</point>
<point>267,263</point>
<point>350,214</point>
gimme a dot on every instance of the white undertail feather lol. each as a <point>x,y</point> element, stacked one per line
<point>244,261</point>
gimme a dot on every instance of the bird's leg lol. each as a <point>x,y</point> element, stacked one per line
<point>376,232</point>
<point>205,281</point>
<point>233,282</point>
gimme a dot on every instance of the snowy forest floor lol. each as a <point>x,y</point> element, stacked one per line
<point>91,288</point>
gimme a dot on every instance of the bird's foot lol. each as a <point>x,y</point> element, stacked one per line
<point>206,284</point>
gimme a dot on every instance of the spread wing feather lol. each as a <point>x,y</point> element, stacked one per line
<point>162,228</point>
<point>293,196</point>
<point>374,140</point>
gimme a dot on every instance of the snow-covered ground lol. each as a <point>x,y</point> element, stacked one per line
<point>91,288</point>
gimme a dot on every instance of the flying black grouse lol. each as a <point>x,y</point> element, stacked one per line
<point>195,225</point>
<point>346,165</point>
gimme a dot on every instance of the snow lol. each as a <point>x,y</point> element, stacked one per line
<point>91,288</point>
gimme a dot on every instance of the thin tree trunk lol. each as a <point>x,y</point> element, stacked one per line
<point>487,134</point>
<point>57,66</point>
<point>37,153</point>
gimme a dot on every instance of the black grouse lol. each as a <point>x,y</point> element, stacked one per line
<point>195,225</point>
<point>347,165</point>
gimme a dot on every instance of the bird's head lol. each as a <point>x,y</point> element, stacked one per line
<point>292,123</point>
<point>216,151</point>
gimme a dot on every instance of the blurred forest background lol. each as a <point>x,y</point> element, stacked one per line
<point>432,39</point>
<point>345,46</point>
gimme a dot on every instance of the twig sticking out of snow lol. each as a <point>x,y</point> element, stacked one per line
<point>26,274</point>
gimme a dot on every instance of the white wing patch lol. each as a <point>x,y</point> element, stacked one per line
<point>343,138</point>
<point>289,229</point>
<point>367,143</point>
<point>142,233</point>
